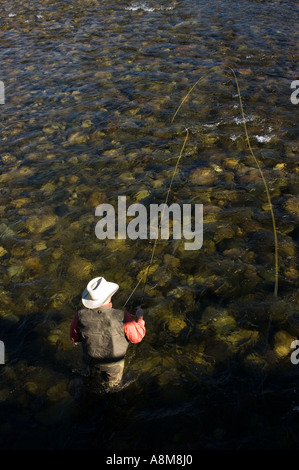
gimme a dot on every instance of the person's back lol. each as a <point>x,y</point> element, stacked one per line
<point>102,333</point>
<point>105,332</point>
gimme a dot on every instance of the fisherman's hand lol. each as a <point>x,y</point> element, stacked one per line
<point>139,312</point>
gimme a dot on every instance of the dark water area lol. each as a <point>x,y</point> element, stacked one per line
<point>90,91</point>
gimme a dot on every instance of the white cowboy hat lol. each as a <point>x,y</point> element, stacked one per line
<point>97,292</point>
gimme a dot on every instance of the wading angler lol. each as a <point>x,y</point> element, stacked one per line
<point>159,220</point>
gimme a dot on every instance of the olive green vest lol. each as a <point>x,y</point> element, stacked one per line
<point>102,333</point>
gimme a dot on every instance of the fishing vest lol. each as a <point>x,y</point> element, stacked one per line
<point>102,333</point>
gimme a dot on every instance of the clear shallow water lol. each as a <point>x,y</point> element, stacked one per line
<point>91,88</point>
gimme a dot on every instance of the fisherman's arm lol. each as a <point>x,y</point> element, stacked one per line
<point>74,334</point>
<point>134,330</point>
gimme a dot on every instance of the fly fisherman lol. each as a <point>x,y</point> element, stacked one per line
<point>104,331</point>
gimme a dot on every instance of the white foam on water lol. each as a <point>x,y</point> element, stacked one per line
<point>239,120</point>
<point>139,6</point>
<point>211,125</point>
<point>12,15</point>
<point>145,7</point>
<point>263,138</point>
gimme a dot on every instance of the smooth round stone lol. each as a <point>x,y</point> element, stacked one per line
<point>142,195</point>
<point>21,201</point>
<point>48,188</point>
<point>31,387</point>
<point>231,162</point>
<point>38,224</point>
<point>224,324</point>
<point>242,339</point>
<point>202,176</point>
<point>292,206</point>
<point>254,363</point>
<point>53,338</point>
<point>80,268</point>
<point>3,251</point>
<point>8,159</point>
<point>77,138</point>
<point>15,270</point>
<point>176,325</point>
<point>97,197</point>
<point>6,232</point>
<point>57,392</point>
<point>40,246</point>
<point>57,253</point>
<point>282,343</point>
<point>86,123</point>
<point>9,316</point>
<point>117,244</point>
<point>4,394</point>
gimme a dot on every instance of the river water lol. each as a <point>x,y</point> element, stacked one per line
<point>90,91</point>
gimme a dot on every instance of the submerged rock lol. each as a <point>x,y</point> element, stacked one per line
<point>219,320</point>
<point>8,159</point>
<point>15,270</point>
<point>39,224</point>
<point>58,392</point>
<point>33,263</point>
<point>117,244</point>
<point>57,253</point>
<point>80,268</point>
<point>40,246</point>
<point>254,363</point>
<point>4,394</point>
<point>282,343</point>
<point>48,188</point>
<point>3,251</point>
<point>21,202</point>
<point>172,261</point>
<point>5,231</point>
<point>211,213</point>
<point>77,138</point>
<point>10,317</point>
<point>31,387</point>
<point>176,325</point>
<point>287,246</point>
<point>53,338</point>
<point>224,231</point>
<point>140,195</point>
<point>242,339</point>
<point>292,206</point>
<point>202,176</point>
<point>231,162</point>
<point>97,197</point>
<point>147,271</point>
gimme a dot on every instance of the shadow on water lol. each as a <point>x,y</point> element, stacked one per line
<point>182,389</point>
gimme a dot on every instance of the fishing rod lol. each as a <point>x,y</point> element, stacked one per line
<point>159,225</point>
<point>145,277</point>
